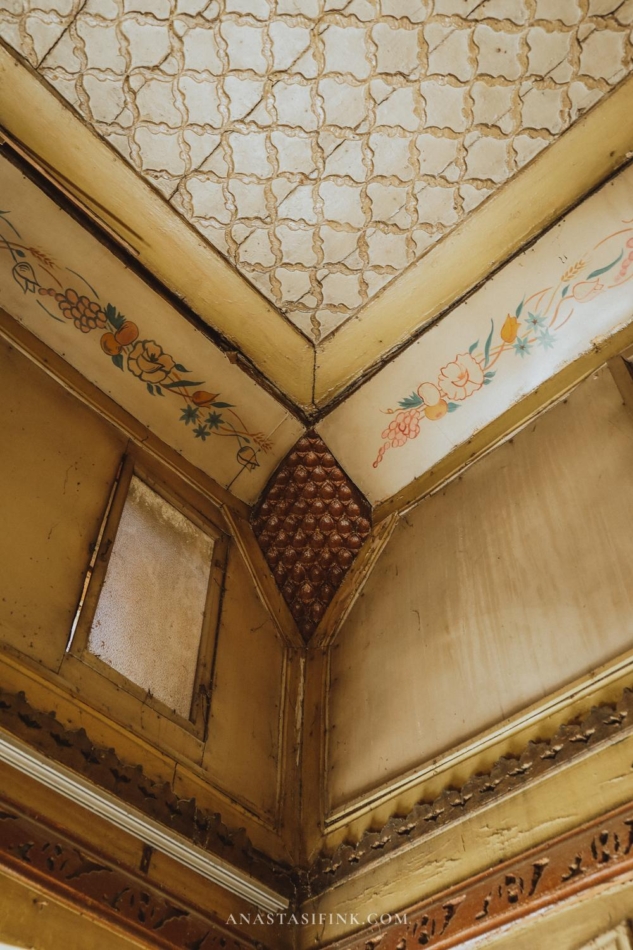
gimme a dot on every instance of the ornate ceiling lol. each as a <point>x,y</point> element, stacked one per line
<point>325,152</point>
<point>323,146</point>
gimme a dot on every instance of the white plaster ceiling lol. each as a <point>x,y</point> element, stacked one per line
<point>324,145</point>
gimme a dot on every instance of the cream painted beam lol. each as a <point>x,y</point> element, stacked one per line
<point>507,423</point>
<point>90,170</point>
<point>543,191</point>
<point>78,790</point>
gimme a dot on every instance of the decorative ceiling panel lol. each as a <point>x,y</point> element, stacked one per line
<point>561,298</point>
<point>324,146</point>
<point>77,297</point>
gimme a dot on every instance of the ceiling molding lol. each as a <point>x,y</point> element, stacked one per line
<point>115,195</point>
<point>556,180</point>
<point>102,183</point>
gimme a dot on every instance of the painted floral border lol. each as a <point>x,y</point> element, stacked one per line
<point>36,272</point>
<point>533,327</point>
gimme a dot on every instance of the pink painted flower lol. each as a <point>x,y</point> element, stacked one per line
<point>405,425</point>
<point>462,378</point>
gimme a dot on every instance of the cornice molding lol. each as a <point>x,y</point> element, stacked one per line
<point>597,852</point>
<point>508,775</point>
<point>60,866</point>
<point>174,825</point>
<point>161,806</point>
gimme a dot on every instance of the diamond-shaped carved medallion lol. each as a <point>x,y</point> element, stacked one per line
<point>310,524</point>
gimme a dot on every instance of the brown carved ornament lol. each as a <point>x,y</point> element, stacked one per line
<point>310,523</point>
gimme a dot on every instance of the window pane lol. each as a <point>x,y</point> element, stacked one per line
<point>148,620</point>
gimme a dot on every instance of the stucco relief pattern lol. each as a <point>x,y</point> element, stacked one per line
<point>324,145</point>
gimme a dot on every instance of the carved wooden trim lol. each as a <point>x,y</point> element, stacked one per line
<point>592,854</point>
<point>310,523</point>
<point>507,775</point>
<point>85,879</point>
<point>74,749</point>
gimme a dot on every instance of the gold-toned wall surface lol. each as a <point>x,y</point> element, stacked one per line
<point>57,464</point>
<point>242,752</point>
<point>29,918</point>
<point>492,594</point>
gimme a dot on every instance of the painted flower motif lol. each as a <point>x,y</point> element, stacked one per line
<point>461,378</point>
<point>149,362</point>
<point>510,329</point>
<point>405,425</point>
<point>535,321</point>
<point>429,393</point>
<point>434,405</point>
<point>522,347</point>
<point>586,290</point>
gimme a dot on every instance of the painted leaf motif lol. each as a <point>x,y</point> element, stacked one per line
<point>565,291</point>
<point>473,346</point>
<point>488,342</point>
<point>223,405</point>
<point>181,368</point>
<point>411,402</point>
<point>113,316</point>
<point>520,308</point>
<point>603,270</point>
<point>452,406</point>
<point>118,360</point>
<point>179,383</point>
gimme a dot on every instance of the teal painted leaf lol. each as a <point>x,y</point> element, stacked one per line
<point>490,374</point>
<point>452,406</point>
<point>114,317</point>
<point>603,270</point>
<point>150,389</point>
<point>19,253</point>
<point>411,402</point>
<point>118,360</point>
<point>182,369</point>
<point>178,384</point>
<point>487,381</point>
<point>159,391</point>
<point>488,342</point>
<point>565,291</point>
<point>473,346</point>
<point>223,405</point>
<point>520,308</point>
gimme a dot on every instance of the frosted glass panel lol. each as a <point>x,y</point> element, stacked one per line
<point>148,620</point>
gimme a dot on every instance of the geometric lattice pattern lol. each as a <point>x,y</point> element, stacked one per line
<point>310,523</point>
<point>324,145</point>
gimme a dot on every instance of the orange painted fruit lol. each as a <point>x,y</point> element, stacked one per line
<point>110,345</point>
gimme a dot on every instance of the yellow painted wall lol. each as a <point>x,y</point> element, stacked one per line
<point>492,594</point>
<point>58,463</point>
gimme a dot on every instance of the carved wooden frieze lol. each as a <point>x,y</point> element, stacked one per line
<point>508,774</point>
<point>549,874</point>
<point>58,865</point>
<point>310,523</point>
<point>102,766</point>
